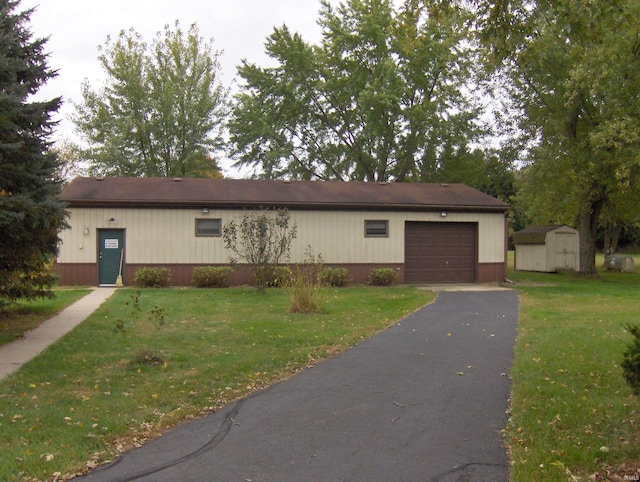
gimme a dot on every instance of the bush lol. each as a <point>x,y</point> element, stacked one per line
<point>263,239</point>
<point>305,296</point>
<point>148,277</point>
<point>304,287</point>
<point>382,276</point>
<point>333,276</point>
<point>279,277</point>
<point>631,359</point>
<point>211,276</point>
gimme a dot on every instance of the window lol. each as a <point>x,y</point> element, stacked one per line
<point>208,227</point>
<point>376,228</point>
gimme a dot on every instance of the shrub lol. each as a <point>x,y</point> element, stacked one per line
<point>334,277</point>
<point>279,277</point>
<point>631,359</point>
<point>261,238</point>
<point>382,276</point>
<point>148,277</point>
<point>211,276</point>
<point>305,297</point>
<point>304,287</point>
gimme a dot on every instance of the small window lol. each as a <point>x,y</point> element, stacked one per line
<point>375,228</point>
<point>208,227</point>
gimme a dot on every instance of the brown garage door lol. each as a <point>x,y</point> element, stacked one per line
<point>440,252</point>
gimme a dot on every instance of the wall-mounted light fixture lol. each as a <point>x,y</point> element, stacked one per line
<point>86,230</point>
<point>112,220</point>
<point>205,210</point>
<point>443,214</point>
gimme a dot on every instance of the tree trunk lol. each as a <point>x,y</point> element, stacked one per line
<point>612,233</point>
<point>587,227</point>
<point>608,229</point>
<point>617,231</point>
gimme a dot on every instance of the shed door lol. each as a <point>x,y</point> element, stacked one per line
<point>110,254</point>
<point>440,252</point>
<point>566,254</point>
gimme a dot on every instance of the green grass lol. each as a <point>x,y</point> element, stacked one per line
<point>573,415</point>
<point>92,395</point>
<point>23,316</point>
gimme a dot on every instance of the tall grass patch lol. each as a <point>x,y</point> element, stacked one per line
<point>573,415</point>
<point>305,288</point>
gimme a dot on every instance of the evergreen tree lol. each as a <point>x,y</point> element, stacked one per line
<point>30,214</point>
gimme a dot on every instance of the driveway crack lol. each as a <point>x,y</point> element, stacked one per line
<point>225,428</point>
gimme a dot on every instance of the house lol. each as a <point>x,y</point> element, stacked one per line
<point>547,248</point>
<point>428,233</point>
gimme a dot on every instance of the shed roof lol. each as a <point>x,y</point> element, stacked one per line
<point>240,193</point>
<point>536,234</point>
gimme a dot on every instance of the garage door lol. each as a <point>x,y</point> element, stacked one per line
<point>440,252</point>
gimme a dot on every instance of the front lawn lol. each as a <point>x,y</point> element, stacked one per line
<point>141,364</point>
<point>573,415</point>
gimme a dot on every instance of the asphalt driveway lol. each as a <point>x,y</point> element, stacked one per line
<point>424,400</point>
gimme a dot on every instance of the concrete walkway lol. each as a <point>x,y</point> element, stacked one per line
<point>13,355</point>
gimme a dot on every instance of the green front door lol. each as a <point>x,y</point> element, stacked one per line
<point>110,255</point>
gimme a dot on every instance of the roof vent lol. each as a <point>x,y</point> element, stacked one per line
<point>382,183</point>
<point>444,184</point>
<point>286,181</point>
<point>177,179</point>
<point>99,178</point>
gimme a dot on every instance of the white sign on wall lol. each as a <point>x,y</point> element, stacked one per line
<point>110,244</point>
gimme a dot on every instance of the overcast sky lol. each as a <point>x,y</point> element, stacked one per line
<point>77,27</point>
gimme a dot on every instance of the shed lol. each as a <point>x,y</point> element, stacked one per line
<point>428,233</point>
<point>547,248</point>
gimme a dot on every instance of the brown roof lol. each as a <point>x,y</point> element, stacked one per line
<point>238,193</point>
<point>536,234</point>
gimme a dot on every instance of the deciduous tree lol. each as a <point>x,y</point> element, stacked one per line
<point>574,72</point>
<point>162,110</point>
<point>30,214</point>
<point>379,98</point>
<point>71,162</point>
<point>262,239</point>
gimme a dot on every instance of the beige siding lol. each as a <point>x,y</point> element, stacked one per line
<point>531,257</point>
<point>168,235</point>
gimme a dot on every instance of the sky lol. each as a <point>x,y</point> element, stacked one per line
<point>77,27</point>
